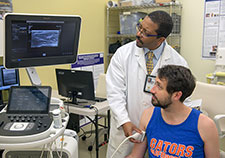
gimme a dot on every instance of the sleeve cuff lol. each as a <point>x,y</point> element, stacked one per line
<point>120,123</point>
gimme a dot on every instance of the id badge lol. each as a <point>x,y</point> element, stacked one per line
<point>149,83</point>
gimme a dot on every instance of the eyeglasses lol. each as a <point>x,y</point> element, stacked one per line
<point>140,29</point>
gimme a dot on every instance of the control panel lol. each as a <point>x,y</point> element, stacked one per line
<point>24,124</point>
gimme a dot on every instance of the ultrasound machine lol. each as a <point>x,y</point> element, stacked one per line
<point>29,124</point>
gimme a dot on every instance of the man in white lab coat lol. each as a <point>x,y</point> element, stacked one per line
<point>126,76</point>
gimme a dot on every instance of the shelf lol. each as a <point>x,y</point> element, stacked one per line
<point>121,36</point>
<point>153,5</point>
<point>114,23</point>
<point>132,35</point>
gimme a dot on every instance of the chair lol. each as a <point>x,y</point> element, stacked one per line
<point>101,87</point>
<point>213,102</point>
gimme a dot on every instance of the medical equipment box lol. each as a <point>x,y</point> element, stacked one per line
<point>126,3</point>
<point>129,20</point>
<point>163,1</point>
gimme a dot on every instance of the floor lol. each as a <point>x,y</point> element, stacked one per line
<point>84,144</point>
<point>84,153</point>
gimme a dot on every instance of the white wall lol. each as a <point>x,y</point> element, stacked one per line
<point>191,40</point>
<point>1,37</point>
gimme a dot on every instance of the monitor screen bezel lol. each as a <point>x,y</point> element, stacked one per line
<point>39,61</point>
<point>72,73</point>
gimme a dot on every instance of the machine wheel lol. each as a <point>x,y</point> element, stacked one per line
<point>90,148</point>
<point>84,138</point>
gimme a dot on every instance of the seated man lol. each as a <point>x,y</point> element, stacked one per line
<point>174,130</point>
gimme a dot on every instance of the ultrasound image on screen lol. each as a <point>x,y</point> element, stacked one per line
<point>26,100</point>
<point>44,38</point>
<point>37,40</point>
<point>9,76</point>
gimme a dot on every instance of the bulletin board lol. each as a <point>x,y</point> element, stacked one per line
<point>214,28</point>
<point>6,5</point>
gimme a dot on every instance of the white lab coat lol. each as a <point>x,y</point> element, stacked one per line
<point>125,80</point>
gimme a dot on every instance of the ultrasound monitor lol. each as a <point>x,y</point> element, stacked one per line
<point>36,40</point>
<point>75,84</point>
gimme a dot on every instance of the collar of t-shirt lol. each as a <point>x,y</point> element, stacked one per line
<point>157,53</point>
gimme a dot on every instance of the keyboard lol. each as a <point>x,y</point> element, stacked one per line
<point>82,103</point>
<point>98,99</point>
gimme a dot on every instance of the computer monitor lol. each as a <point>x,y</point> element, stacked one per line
<point>75,84</point>
<point>8,78</point>
<point>36,40</point>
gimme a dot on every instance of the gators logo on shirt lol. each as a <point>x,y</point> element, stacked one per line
<point>165,149</point>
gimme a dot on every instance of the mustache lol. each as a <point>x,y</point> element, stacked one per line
<point>155,97</point>
<point>139,38</point>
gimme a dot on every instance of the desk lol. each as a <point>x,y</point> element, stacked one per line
<point>101,108</point>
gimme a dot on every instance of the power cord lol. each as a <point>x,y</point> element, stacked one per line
<point>42,151</point>
<point>137,136</point>
<point>92,122</point>
<point>61,147</point>
<point>95,108</point>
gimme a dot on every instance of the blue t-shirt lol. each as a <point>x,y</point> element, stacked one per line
<point>174,141</point>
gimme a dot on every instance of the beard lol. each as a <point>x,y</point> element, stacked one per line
<point>162,104</point>
<point>139,42</point>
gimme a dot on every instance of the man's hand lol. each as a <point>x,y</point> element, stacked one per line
<point>128,129</point>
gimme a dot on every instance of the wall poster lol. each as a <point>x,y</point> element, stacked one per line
<point>211,28</point>
<point>90,62</point>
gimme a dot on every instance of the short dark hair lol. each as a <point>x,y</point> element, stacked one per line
<point>179,78</point>
<point>164,21</point>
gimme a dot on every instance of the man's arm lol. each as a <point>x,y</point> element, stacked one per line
<point>209,134</point>
<point>116,89</point>
<point>116,93</point>
<point>140,148</point>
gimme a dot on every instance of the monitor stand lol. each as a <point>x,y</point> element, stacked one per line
<point>33,76</point>
<point>76,102</point>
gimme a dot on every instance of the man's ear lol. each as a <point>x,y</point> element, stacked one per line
<point>161,40</point>
<point>177,95</point>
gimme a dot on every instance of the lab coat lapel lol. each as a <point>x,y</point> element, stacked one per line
<point>164,59</point>
<point>139,53</point>
<point>166,56</point>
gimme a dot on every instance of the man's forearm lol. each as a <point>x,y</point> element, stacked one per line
<point>138,150</point>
